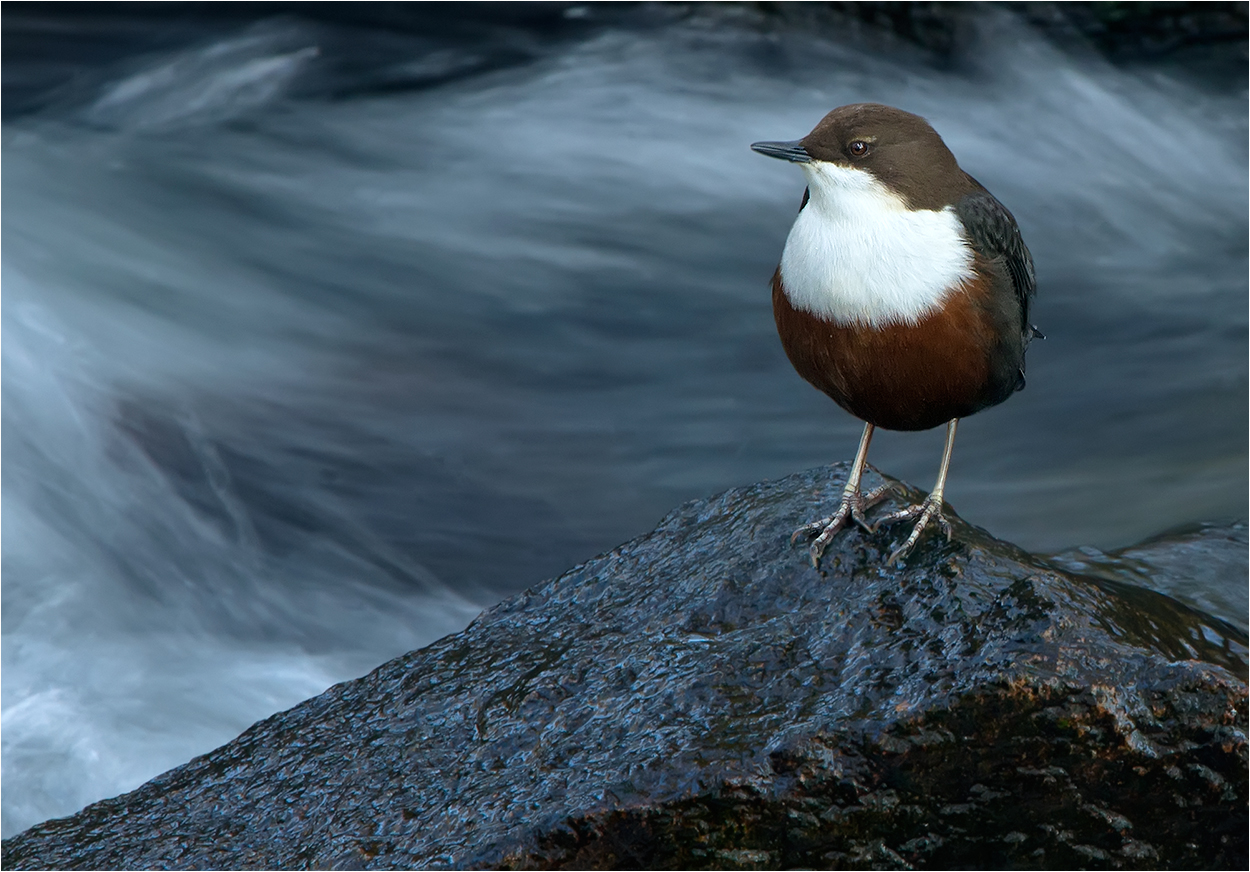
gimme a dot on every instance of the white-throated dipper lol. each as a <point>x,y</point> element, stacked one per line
<point>903,291</point>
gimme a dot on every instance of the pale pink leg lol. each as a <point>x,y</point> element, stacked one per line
<point>852,507</point>
<point>930,509</point>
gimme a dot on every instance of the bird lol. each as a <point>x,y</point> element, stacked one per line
<point>903,293</point>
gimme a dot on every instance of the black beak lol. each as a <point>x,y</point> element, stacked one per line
<point>791,151</point>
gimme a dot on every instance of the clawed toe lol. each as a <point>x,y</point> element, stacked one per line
<point>851,509</point>
<point>810,529</point>
<point>894,517</point>
<point>929,510</point>
<point>854,504</point>
<point>826,529</point>
<point>870,499</point>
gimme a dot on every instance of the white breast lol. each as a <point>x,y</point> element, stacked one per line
<point>858,255</point>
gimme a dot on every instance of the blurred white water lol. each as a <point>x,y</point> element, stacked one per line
<point>215,83</point>
<point>293,384</point>
<point>137,631</point>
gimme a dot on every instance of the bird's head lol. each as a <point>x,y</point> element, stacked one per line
<point>871,148</point>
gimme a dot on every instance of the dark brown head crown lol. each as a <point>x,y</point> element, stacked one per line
<point>900,149</point>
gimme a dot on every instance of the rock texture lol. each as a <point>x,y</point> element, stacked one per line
<point>1203,565</point>
<point>702,698</point>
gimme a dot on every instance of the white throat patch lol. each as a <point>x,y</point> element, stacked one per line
<point>858,255</point>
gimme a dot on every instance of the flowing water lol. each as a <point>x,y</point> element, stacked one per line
<point>318,338</point>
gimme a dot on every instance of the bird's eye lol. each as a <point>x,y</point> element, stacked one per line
<point>858,148</point>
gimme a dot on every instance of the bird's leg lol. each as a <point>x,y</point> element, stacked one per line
<point>852,507</point>
<point>930,509</point>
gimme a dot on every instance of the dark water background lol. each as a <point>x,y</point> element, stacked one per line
<point>319,336</point>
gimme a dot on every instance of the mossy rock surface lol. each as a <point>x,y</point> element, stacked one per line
<point>700,697</point>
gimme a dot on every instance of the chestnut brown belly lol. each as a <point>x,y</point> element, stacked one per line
<point>904,376</point>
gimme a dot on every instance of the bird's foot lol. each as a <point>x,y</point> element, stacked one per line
<point>929,510</point>
<point>852,508</point>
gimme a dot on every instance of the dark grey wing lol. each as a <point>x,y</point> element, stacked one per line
<point>993,232</point>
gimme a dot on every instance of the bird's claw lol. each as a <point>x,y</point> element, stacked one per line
<point>852,508</point>
<point>810,528</point>
<point>929,510</point>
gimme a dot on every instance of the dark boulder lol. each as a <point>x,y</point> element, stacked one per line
<point>1202,565</point>
<point>701,697</point>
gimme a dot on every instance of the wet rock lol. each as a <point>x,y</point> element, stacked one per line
<point>1203,565</point>
<point>701,697</point>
